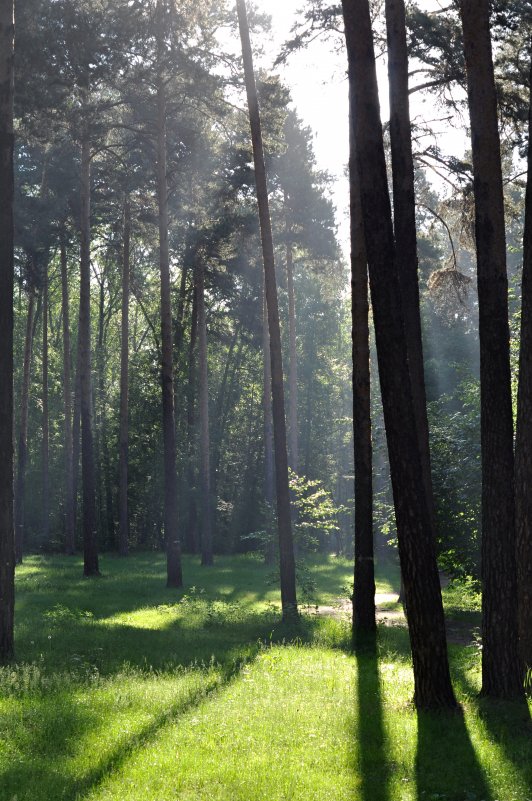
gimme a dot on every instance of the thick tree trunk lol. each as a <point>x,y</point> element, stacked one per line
<point>523,441</point>
<point>414,527</point>
<point>284,523</point>
<point>501,675</point>
<point>45,418</point>
<point>364,621</point>
<point>192,516</point>
<point>123,531</point>
<point>203,402</point>
<point>7,549</point>
<point>90,547</point>
<point>70,521</point>
<point>404,215</point>
<point>23,431</point>
<point>171,533</point>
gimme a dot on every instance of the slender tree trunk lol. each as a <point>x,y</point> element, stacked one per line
<point>45,418</point>
<point>364,621</point>
<point>412,510</point>
<point>192,517</point>
<point>23,431</point>
<point>203,402</point>
<point>523,441</point>
<point>76,433</point>
<point>284,523</point>
<point>123,546</point>
<point>404,213</point>
<point>7,549</point>
<point>70,521</point>
<point>90,548</point>
<point>171,533</point>
<point>269,467</point>
<point>292,350</point>
<point>501,675</point>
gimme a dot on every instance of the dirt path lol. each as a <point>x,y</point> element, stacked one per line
<point>458,632</point>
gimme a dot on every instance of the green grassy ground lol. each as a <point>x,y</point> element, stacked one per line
<point>124,689</point>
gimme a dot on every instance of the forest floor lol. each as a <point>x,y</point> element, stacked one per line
<point>126,690</point>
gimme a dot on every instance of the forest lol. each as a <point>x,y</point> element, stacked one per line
<point>265,430</point>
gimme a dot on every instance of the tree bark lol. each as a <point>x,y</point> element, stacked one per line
<point>284,523</point>
<point>404,217</point>
<point>269,469</point>
<point>415,534</point>
<point>123,531</point>
<point>23,431</point>
<point>501,675</point>
<point>7,544</point>
<point>90,547</point>
<point>171,533</point>
<point>292,350</point>
<point>523,441</point>
<point>192,517</point>
<point>203,402</point>
<point>70,521</point>
<point>45,417</point>
<point>76,432</point>
<point>364,622</point>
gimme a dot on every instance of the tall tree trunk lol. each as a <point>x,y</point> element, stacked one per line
<point>203,402</point>
<point>23,431</point>
<point>123,516</point>
<point>192,516</point>
<point>70,520</point>
<point>414,527</point>
<point>404,216</point>
<point>76,433</point>
<point>284,523</point>
<point>523,441</point>
<point>501,675</point>
<point>364,622</point>
<point>7,550</point>
<point>90,547</point>
<point>293,450</point>
<point>269,468</point>
<point>45,418</point>
<point>171,533</point>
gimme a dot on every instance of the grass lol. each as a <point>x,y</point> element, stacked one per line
<point>127,690</point>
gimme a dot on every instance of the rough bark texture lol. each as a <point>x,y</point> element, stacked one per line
<point>70,521</point>
<point>404,216</point>
<point>123,517</point>
<point>286,545</point>
<point>23,431</point>
<point>90,548</point>
<point>45,418</point>
<point>501,676</point>
<point>203,402</point>
<point>416,544</point>
<point>7,549</point>
<point>171,533</point>
<point>523,441</point>
<point>364,621</point>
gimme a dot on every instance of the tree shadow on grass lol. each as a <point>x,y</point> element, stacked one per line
<point>508,724</point>
<point>371,764</point>
<point>50,725</point>
<point>446,762</point>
